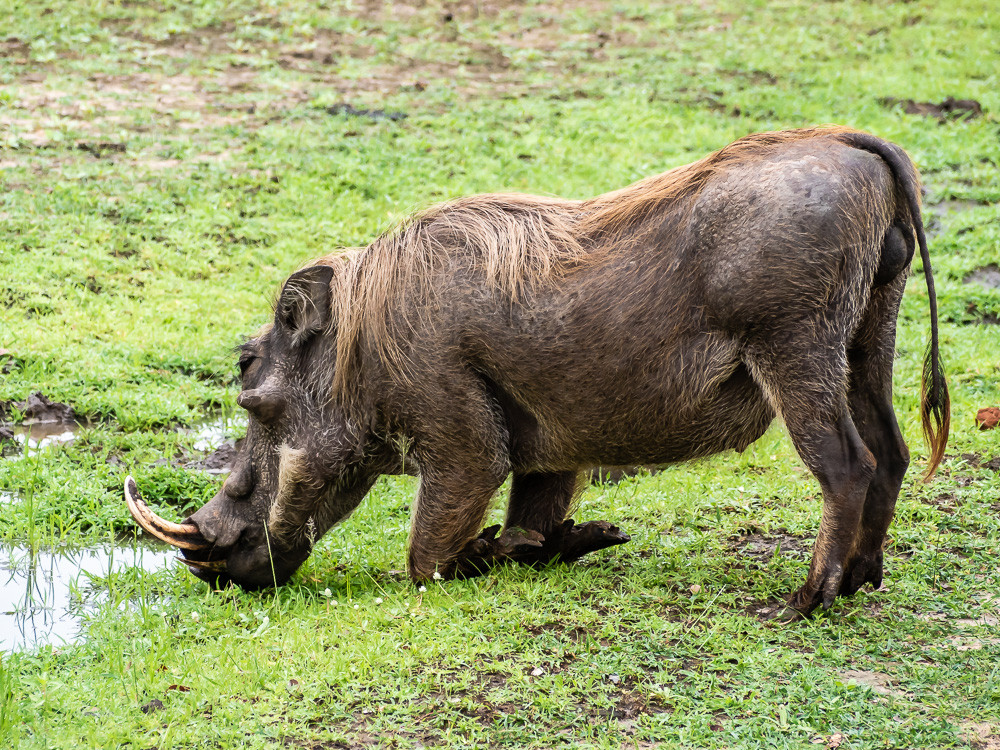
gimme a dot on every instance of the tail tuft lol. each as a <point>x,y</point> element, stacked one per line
<point>935,409</point>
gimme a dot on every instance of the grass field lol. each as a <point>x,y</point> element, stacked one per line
<point>164,165</point>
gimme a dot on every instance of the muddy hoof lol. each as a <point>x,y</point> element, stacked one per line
<point>567,542</point>
<point>487,550</point>
<point>575,541</point>
<point>515,543</point>
<point>862,570</point>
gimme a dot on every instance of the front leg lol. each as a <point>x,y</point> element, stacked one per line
<point>462,448</point>
<point>447,513</point>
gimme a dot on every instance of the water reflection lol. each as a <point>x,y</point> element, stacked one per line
<point>45,594</point>
<point>219,437</point>
<point>38,435</point>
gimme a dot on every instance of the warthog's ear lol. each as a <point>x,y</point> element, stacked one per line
<point>303,307</point>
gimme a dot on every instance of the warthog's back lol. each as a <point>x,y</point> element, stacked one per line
<point>637,356</point>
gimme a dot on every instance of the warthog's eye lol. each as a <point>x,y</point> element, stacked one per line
<point>246,360</point>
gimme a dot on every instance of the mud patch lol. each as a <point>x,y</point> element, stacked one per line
<point>100,149</point>
<point>982,317</point>
<point>46,423</point>
<point>949,109</point>
<point>38,408</point>
<point>976,461</point>
<point>370,114</point>
<point>41,435</point>
<point>953,206</point>
<point>46,595</point>
<point>946,502</point>
<point>219,461</point>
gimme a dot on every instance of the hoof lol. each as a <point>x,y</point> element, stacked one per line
<point>576,541</point>
<point>860,571</point>
<point>567,542</point>
<point>487,550</point>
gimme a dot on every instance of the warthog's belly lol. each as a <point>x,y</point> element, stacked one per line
<point>730,415</point>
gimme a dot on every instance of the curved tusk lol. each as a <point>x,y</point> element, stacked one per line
<point>213,565</point>
<point>183,535</point>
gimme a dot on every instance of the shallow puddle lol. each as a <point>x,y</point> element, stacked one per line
<point>45,595</point>
<point>218,437</point>
<point>211,433</point>
<point>35,436</point>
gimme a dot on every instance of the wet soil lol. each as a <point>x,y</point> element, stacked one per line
<point>977,462</point>
<point>981,317</point>
<point>39,408</point>
<point>214,439</point>
<point>935,215</point>
<point>370,114</point>
<point>219,461</point>
<point>45,422</point>
<point>762,547</point>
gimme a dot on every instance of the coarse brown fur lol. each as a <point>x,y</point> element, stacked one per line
<point>671,319</point>
<point>518,241</point>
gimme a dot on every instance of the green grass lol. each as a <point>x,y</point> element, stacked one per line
<point>126,277</point>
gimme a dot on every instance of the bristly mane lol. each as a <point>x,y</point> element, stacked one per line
<point>514,241</point>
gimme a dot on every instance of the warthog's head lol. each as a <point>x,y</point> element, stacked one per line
<point>301,468</point>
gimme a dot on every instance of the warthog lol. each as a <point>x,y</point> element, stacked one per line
<point>512,334</point>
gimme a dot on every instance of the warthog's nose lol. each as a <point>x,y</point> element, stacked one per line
<point>219,522</point>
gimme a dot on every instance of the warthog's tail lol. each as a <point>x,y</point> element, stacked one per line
<point>935,404</point>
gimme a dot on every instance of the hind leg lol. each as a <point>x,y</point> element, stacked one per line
<point>539,501</point>
<point>870,398</point>
<point>806,383</point>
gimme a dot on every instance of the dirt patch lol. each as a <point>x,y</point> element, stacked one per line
<point>960,643</point>
<point>987,276</point>
<point>370,114</point>
<point>101,149</point>
<point>952,206</point>
<point>880,683</point>
<point>982,317</point>
<point>946,502</point>
<point>976,461</point>
<point>949,109</point>
<point>981,736</point>
<point>12,47</point>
